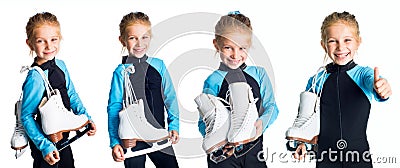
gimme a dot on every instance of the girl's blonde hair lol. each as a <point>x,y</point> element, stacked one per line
<point>38,20</point>
<point>131,19</point>
<point>344,18</point>
<point>233,22</point>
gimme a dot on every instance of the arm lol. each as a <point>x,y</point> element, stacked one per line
<point>170,100</point>
<point>270,109</point>
<point>76,103</point>
<point>115,105</point>
<point>33,89</point>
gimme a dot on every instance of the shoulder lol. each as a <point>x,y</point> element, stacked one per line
<point>157,62</point>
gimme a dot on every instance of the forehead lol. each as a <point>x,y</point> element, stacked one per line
<point>342,28</point>
<point>238,38</point>
<point>46,30</point>
<point>137,29</point>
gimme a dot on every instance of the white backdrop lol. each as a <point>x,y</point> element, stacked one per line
<point>288,30</point>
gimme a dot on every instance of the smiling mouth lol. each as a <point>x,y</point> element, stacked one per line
<point>342,55</point>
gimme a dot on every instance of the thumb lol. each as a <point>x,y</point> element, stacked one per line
<point>376,74</point>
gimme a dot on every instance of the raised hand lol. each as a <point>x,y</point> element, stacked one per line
<point>381,85</point>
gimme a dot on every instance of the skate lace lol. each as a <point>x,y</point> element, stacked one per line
<point>130,96</point>
<point>210,118</point>
<point>19,129</point>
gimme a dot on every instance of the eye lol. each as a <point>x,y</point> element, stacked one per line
<point>145,37</point>
<point>331,41</point>
<point>39,41</point>
<point>132,38</point>
<point>54,39</point>
<point>348,40</point>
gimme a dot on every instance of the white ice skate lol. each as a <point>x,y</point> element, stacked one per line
<point>306,126</point>
<point>133,125</point>
<point>19,139</point>
<point>217,120</point>
<point>243,114</point>
<point>56,119</point>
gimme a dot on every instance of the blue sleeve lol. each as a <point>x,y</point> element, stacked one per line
<point>170,100</point>
<point>168,92</point>
<point>76,103</point>
<point>268,100</point>
<point>115,104</point>
<point>33,90</point>
<point>364,78</point>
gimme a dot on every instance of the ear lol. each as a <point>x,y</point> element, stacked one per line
<point>29,44</point>
<point>216,45</point>
<point>121,39</point>
<point>323,46</point>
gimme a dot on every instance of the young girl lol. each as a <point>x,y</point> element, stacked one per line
<point>151,83</point>
<point>347,92</point>
<point>233,37</point>
<point>43,38</point>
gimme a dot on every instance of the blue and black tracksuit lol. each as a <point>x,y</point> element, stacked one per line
<point>345,103</point>
<point>152,83</point>
<point>33,92</point>
<point>217,84</point>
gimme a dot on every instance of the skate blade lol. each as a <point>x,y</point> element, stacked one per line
<point>155,147</point>
<point>221,155</point>
<point>61,145</point>
<point>55,137</point>
<point>19,152</point>
<point>313,141</point>
<point>216,147</point>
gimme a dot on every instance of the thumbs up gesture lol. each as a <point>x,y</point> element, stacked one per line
<point>381,85</point>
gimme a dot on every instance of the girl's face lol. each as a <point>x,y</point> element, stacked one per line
<point>342,43</point>
<point>46,42</point>
<point>233,49</point>
<point>137,39</point>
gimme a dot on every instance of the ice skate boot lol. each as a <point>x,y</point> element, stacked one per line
<point>56,119</point>
<point>19,139</point>
<point>217,120</point>
<point>133,126</point>
<point>306,125</point>
<point>244,114</point>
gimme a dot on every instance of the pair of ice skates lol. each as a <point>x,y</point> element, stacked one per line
<point>55,119</point>
<point>133,125</point>
<point>306,126</point>
<point>228,128</point>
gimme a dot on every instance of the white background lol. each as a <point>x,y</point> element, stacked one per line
<point>289,31</point>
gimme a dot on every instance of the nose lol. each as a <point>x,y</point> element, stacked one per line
<point>235,54</point>
<point>48,45</point>
<point>341,46</point>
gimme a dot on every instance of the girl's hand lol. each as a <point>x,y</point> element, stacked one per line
<point>259,128</point>
<point>92,131</point>
<point>381,85</point>
<point>52,158</point>
<point>300,152</point>
<point>118,153</point>
<point>174,136</point>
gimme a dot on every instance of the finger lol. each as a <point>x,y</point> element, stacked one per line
<point>376,74</point>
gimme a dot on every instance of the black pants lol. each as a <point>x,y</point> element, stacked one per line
<point>249,155</point>
<point>164,158</point>
<point>66,158</point>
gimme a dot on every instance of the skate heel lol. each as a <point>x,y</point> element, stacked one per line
<point>56,137</point>
<point>19,148</point>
